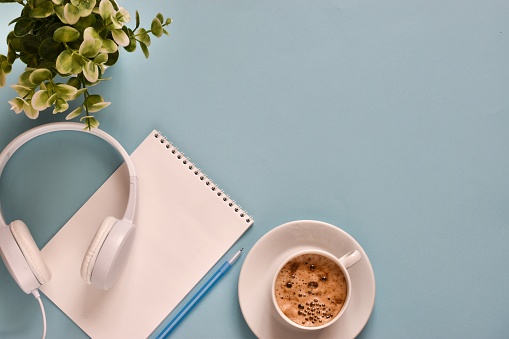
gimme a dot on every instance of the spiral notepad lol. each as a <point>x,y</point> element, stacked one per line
<point>201,176</point>
<point>184,224</point>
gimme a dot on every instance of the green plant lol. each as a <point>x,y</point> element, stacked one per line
<point>67,46</point>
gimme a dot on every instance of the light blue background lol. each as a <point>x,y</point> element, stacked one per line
<point>389,119</point>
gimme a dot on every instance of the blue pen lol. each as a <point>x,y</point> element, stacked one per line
<point>197,297</point>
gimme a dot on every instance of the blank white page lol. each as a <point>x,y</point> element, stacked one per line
<point>183,227</point>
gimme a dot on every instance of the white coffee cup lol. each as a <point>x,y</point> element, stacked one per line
<point>315,308</point>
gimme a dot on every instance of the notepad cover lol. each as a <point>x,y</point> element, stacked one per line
<point>184,225</point>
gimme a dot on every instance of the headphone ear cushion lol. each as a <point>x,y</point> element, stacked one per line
<point>30,251</point>
<point>88,263</point>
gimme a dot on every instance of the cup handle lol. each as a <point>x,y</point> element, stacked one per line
<point>351,258</point>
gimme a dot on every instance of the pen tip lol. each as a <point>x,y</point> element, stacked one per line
<point>242,249</point>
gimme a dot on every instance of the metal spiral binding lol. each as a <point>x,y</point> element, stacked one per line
<point>203,177</point>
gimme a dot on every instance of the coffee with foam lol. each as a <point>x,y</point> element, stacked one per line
<point>311,290</point>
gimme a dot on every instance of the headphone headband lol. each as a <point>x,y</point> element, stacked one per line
<point>19,141</point>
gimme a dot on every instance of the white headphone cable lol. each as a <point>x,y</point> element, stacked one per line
<point>38,297</point>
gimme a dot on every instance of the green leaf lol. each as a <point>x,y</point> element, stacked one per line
<point>90,121</point>
<point>101,58</point>
<point>112,58</point>
<point>17,105</point>
<point>132,45</point>
<point>109,46</point>
<point>30,60</point>
<point>77,64</point>
<point>71,13</point>
<point>14,41</point>
<point>40,100</point>
<point>85,7</point>
<point>94,99</point>
<point>100,44</point>
<point>40,75</point>
<point>88,48</point>
<point>97,107</point>
<point>30,44</point>
<point>144,48</point>
<point>143,36</point>
<point>6,67</point>
<point>160,17</point>
<point>22,90</point>
<point>85,22</point>
<point>95,103</point>
<point>122,16</point>
<point>118,19</point>
<point>156,27</point>
<point>59,11</point>
<point>91,33</point>
<point>49,49</point>
<point>52,99</point>
<point>120,37</point>
<point>65,62</point>
<point>106,9</point>
<point>75,113</point>
<point>137,21</point>
<point>51,27</point>
<point>65,91</point>
<point>79,92</point>
<point>91,71</point>
<point>43,10</point>
<point>66,34</point>
<point>58,2</point>
<point>60,106</point>
<point>24,78</point>
<point>30,112</point>
<point>13,21</point>
<point>74,82</point>
<point>3,78</point>
<point>24,26</point>
<point>11,55</point>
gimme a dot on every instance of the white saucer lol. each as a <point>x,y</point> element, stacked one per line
<point>263,259</point>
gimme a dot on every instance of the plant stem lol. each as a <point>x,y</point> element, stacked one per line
<point>85,95</point>
<point>149,31</point>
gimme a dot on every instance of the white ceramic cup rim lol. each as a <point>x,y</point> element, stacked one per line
<point>355,255</point>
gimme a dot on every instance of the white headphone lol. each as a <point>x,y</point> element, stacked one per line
<point>108,251</point>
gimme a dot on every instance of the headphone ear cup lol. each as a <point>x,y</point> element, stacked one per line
<point>89,260</point>
<point>30,251</point>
